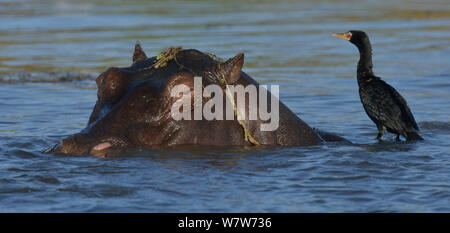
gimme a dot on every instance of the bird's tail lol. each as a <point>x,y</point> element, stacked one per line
<point>413,136</point>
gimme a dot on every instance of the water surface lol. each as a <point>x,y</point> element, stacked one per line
<point>50,52</point>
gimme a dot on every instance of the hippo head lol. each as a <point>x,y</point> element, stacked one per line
<point>134,103</point>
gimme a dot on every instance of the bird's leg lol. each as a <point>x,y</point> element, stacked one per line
<point>380,134</point>
<point>397,138</point>
<point>381,130</point>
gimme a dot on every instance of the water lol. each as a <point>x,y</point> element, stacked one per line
<point>50,52</point>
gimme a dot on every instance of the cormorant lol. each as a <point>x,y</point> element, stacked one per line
<point>382,103</point>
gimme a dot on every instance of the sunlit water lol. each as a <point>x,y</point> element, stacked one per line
<point>50,52</point>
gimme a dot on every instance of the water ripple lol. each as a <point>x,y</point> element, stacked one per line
<point>50,54</point>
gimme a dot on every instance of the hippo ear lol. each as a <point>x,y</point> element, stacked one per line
<point>139,54</point>
<point>233,68</point>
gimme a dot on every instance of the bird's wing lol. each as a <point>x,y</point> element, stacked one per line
<point>373,105</point>
<point>401,102</point>
<point>381,107</point>
<point>384,107</point>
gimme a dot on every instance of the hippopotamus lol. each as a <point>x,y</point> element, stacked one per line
<point>133,108</point>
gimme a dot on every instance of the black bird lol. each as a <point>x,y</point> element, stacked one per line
<point>383,104</point>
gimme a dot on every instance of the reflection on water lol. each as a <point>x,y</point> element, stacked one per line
<point>50,52</point>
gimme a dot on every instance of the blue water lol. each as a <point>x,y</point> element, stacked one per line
<point>51,51</point>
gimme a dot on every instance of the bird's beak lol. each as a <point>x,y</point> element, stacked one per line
<point>346,35</point>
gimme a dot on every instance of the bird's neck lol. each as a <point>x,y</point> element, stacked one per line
<point>364,69</point>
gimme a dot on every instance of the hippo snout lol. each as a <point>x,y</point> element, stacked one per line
<point>71,145</point>
<point>80,144</point>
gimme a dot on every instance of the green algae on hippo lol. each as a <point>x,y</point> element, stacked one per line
<point>135,108</point>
